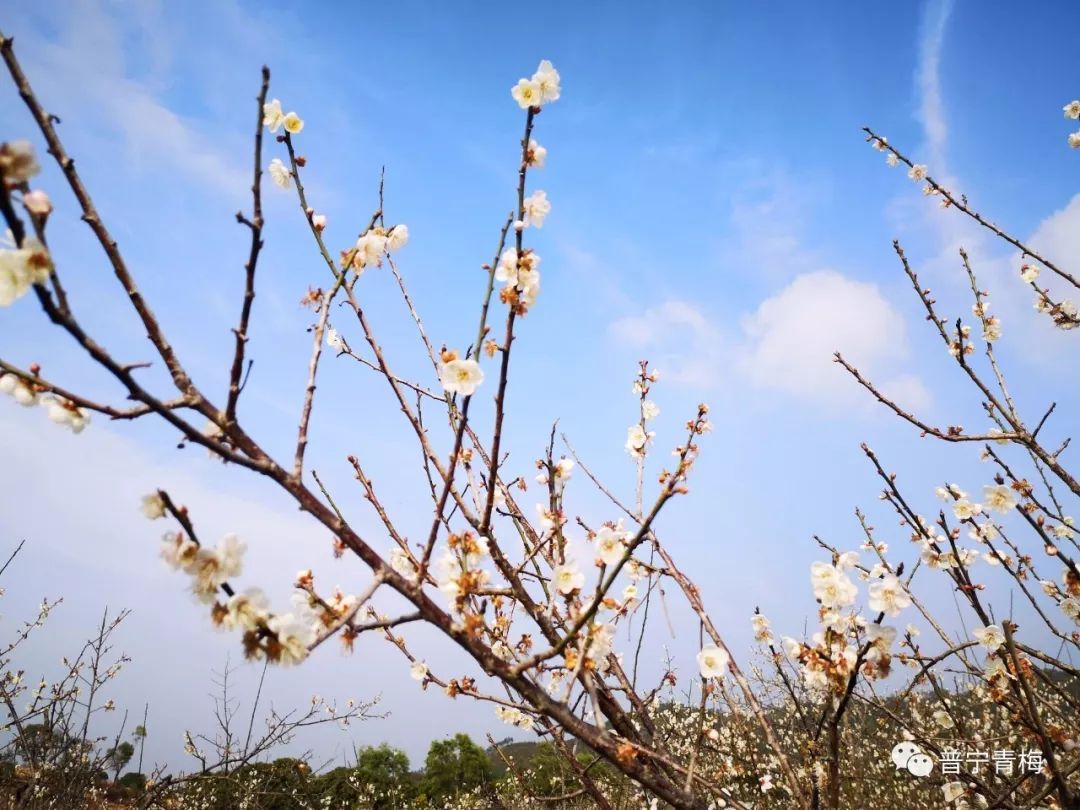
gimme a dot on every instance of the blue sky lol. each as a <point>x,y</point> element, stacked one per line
<point>714,209</point>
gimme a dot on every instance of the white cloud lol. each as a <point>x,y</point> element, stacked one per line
<point>789,341</point>
<point>786,344</point>
<point>85,73</point>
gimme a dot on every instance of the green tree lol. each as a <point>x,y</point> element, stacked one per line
<point>385,771</point>
<point>120,756</point>
<point>454,766</point>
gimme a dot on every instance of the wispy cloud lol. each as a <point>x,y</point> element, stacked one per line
<point>928,79</point>
<point>125,101</point>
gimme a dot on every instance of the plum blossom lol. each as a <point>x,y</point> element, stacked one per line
<point>547,80</point>
<point>965,509</point>
<point>526,93</point>
<point>567,579</point>
<point>273,117</point>
<point>402,564</point>
<point>293,123</point>
<point>370,249</point>
<point>888,596</point>
<point>153,506</point>
<point>247,610</point>
<point>636,440</point>
<point>1072,110</point>
<point>397,237</point>
<point>19,390</point>
<point>279,173</point>
<point>293,637</point>
<point>917,172</point>
<point>418,671</point>
<point>1000,498</point>
<point>609,545</point>
<point>990,637</point>
<point>17,162</point>
<point>1029,272</point>
<point>65,412</point>
<point>536,207</point>
<point>1070,606</point>
<point>762,629</point>
<point>953,790</point>
<point>535,154</point>
<point>460,376</point>
<point>22,268</point>
<point>649,410</point>
<point>1074,139</point>
<point>831,587</point>
<point>334,340</point>
<point>713,661</point>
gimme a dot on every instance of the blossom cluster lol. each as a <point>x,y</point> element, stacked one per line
<point>60,410</point>
<point>1072,112</point>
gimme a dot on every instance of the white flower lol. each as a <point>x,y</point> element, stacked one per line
<point>507,269</point>
<point>526,93</point>
<point>178,551</point>
<point>713,661</point>
<point>888,595</point>
<point>1074,139</point>
<point>279,173</point>
<point>418,671</point>
<point>293,123</point>
<point>762,630</point>
<point>401,563</point>
<point>18,389</point>
<point>231,551</point>
<point>649,410</point>
<point>17,162</point>
<point>318,222</point>
<point>953,791</point>
<point>847,561</point>
<point>1072,110</point>
<point>370,249</point>
<point>942,718</point>
<point>636,439</point>
<point>37,202</point>
<point>65,412</point>
<point>460,376</point>
<point>293,636</point>
<point>1000,498</point>
<point>965,509</point>
<point>153,506</point>
<point>831,587</point>
<point>1029,272</point>
<point>629,592</point>
<point>536,207</point>
<point>272,115</point>
<point>990,637</point>
<point>564,470</point>
<point>609,545</point>
<point>22,268</point>
<point>398,237</point>
<point>333,340</point>
<point>917,172</point>
<point>891,159</point>
<point>547,81</point>
<point>567,579</point>
<point>881,636</point>
<point>1070,606</point>
<point>535,155</point>
<point>247,610</point>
